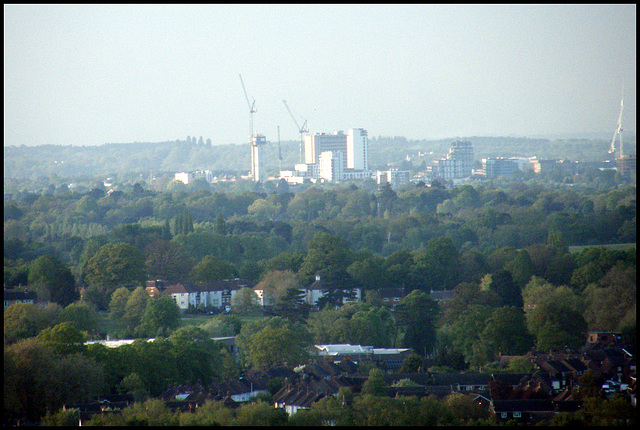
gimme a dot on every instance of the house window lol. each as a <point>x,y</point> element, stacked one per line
<point>517,414</point>
<point>503,415</point>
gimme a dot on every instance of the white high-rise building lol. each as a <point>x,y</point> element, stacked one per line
<point>458,164</point>
<point>394,177</point>
<point>357,149</point>
<point>331,165</point>
<point>258,171</point>
<point>316,144</point>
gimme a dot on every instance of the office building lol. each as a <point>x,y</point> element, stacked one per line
<point>331,165</point>
<point>357,149</point>
<point>458,162</point>
<point>394,177</point>
<point>316,144</point>
<point>258,170</point>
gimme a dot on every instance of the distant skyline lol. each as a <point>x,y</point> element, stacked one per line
<point>91,74</point>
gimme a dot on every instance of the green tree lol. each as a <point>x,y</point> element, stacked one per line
<point>611,303</point>
<point>521,268</point>
<point>81,316</point>
<point>37,379</point>
<point>272,346</point>
<point>464,408</point>
<point>506,332</point>
<point>135,308</point>
<point>554,315</point>
<point>198,355</point>
<point>211,413</point>
<point>375,384</point>
<point>63,417</point>
<point>327,256</point>
<point>167,260</point>
<point>212,268</point>
<point>466,334</point>
<point>113,266</point>
<point>273,341</point>
<point>118,302</point>
<point>134,386</point>
<point>260,414</point>
<point>245,301</point>
<point>506,289</point>
<point>219,226</point>
<point>183,223</point>
<point>417,314</point>
<point>436,264</point>
<point>464,295</point>
<point>152,412</point>
<point>64,338</point>
<point>53,280</point>
<point>161,317</point>
<point>275,285</point>
<point>24,320</point>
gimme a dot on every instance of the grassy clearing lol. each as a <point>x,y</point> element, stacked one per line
<point>197,320</point>
<point>618,246</point>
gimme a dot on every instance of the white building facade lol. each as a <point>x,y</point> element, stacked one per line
<point>258,171</point>
<point>357,149</point>
<point>331,165</point>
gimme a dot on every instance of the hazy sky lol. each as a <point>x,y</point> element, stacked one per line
<point>94,74</point>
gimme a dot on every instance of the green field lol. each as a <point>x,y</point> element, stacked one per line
<point>197,320</point>
<point>105,325</point>
<point>619,246</point>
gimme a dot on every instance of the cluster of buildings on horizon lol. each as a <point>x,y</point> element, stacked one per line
<point>340,156</point>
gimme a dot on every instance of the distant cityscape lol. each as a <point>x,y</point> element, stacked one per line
<point>340,156</point>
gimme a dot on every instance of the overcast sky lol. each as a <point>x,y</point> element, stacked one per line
<point>94,74</point>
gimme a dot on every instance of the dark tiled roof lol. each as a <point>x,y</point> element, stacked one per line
<point>512,379</point>
<point>522,405</point>
<point>461,378</point>
<point>19,295</point>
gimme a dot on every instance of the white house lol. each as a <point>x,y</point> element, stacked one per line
<point>216,294</point>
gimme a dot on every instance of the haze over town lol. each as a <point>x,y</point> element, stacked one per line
<point>95,74</point>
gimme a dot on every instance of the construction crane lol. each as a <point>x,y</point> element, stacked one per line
<point>252,110</point>
<point>618,131</point>
<point>279,150</point>
<point>255,141</point>
<point>301,130</point>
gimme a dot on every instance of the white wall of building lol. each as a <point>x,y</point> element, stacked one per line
<point>184,177</point>
<point>357,149</point>
<point>331,165</point>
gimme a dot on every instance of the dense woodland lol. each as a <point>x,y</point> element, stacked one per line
<point>523,257</point>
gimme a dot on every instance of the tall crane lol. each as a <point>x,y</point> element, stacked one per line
<point>301,130</point>
<point>255,142</point>
<point>279,150</point>
<point>618,131</point>
<point>252,110</point>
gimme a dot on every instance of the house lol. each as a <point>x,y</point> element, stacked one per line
<point>303,394</point>
<point>441,295</point>
<point>522,411</point>
<point>391,296</point>
<point>11,297</point>
<point>214,294</point>
<point>317,289</point>
<point>155,287</point>
<point>391,358</point>
<point>605,339</point>
<point>294,398</point>
<point>463,382</point>
<point>180,294</point>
